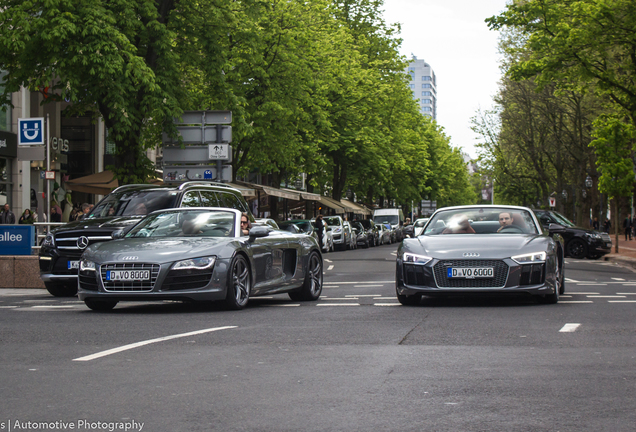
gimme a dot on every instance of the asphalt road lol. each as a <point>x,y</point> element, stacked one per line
<point>355,360</point>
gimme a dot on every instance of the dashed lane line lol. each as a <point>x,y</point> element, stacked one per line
<point>569,328</point>
<point>330,267</point>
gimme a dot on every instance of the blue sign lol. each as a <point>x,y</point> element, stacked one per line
<point>16,239</point>
<point>31,131</point>
<point>207,175</point>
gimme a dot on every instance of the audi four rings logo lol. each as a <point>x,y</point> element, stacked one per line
<point>470,254</point>
<point>82,242</point>
<point>129,258</point>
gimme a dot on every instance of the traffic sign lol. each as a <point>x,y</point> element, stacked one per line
<point>552,202</point>
<point>205,118</point>
<point>189,173</point>
<point>31,131</point>
<point>219,152</point>
<point>200,135</point>
<point>195,154</point>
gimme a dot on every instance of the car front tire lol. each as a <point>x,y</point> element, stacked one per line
<point>577,248</point>
<point>100,305</point>
<point>61,290</point>
<point>239,284</point>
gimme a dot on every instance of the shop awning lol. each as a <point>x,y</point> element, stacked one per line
<point>304,195</point>
<point>100,184</point>
<point>359,208</point>
<point>333,204</point>
<point>268,190</point>
<point>245,191</point>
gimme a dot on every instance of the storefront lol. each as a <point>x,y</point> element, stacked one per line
<point>8,153</point>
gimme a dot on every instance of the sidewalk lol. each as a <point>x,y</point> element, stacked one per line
<point>626,255</point>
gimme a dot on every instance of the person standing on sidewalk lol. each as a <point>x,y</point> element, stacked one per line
<point>627,225</point>
<point>7,217</point>
<point>595,225</point>
<point>607,225</point>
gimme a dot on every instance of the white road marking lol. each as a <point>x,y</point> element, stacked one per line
<point>360,282</point>
<point>328,260</point>
<point>569,328</point>
<point>338,304</point>
<point>387,304</point>
<point>577,301</point>
<point>330,267</point>
<point>148,342</point>
<point>605,296</point>
<point>618,279</point>
<point>8,307</point>
<point>565,296</point>
<point>591,284</point>
<point>367,286</point>
<point>362,295</point>
<point>340,298</point>
<point>52,307</point>
<point>625,293</point>
<point>621,301</point>
<point>283,305</point>
<point>570,280</point>
<point>584,293</point>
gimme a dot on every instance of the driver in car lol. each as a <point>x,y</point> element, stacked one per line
<point>505,219</point>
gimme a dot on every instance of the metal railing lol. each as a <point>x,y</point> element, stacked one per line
<point>42,229</point>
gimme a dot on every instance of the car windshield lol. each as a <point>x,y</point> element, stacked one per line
<point>303,226</point>
<point>367,223</point>
<point>131,203</point>
<point>482,220</point>
<point>386,219</point>
<point>420,223</point>
<point>186,223</point>
<point>561,219</point>
<point>333,221</point>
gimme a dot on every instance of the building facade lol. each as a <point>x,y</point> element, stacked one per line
<point>423,83</point>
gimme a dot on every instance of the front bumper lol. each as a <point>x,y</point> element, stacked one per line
<point>412,279</point>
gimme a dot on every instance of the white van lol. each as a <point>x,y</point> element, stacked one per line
<point>394,217</point>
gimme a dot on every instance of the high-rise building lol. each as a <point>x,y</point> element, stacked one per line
<point>424,86</point>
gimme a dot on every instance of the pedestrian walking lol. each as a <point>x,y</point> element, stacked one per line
<point>627,226</point>
<point>27,217</point>
<point>7,217</point>
<point>595,224</point>
<point>319,225</point>
<point>607,225</point>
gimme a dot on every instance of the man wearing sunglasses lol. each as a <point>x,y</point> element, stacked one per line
<point>245,224</point>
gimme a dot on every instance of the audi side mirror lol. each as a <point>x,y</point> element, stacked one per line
<point>259,232</point>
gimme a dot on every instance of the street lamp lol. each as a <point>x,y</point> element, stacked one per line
<point>588,182</point>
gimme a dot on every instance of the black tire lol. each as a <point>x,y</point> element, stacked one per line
<point>61,290</point>
<point>558,289</point>
<point>239,284</point>
<point>405,300</point>
<point>577,248</point>
<point>368,244</point>
<point>100,305</point>
<point>312,286</point>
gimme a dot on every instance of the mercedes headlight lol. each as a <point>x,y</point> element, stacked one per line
<point>194,264</point>
<point>86,265</point>
<point>49,240</point>
<point>411,258</point>
<point>537,257</point>
<point>595,236</point>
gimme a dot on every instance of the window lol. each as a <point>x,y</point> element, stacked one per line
<point>191,199</point>
<point>427,109</point>
<point>208,199</point>
<point>426,101</point>
<point>412,86</point>
<point>426,78</point>
<point>426,86</point>
<point>230,201</point>
<point>427,93</point>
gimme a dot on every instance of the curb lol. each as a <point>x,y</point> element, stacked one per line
<point>621,260</point>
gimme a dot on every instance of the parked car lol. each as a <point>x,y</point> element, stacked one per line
<point>363,237</point>
<point>472,252</point>
<point>371,230</point>
<point>394,217</point>
<point>384,234</point>
<point>340,233</point>
<point>418,226</point>
<point>199,254</point>
<point>579,242</point>
<point>119,211</point>
<point>307,226</point>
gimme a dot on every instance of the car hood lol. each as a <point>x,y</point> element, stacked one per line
<point>488,246</point>
<point>111,223</point>
<point>156,250</point>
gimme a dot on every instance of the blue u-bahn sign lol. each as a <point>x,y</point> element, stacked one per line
<point>16,239</point>
<point>31,131</point>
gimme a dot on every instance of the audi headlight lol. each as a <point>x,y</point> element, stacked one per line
<point>49,240</point>
<point>537,257</point>
<point>411,258</point>
<point>86,265</point>
<point>194,264</point>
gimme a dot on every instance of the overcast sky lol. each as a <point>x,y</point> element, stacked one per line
<point>453,38</point>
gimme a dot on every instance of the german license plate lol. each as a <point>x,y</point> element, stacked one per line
<point>73,265</point>
<point>127,275</point>
<point>609,245</point>
<point>470,272</point>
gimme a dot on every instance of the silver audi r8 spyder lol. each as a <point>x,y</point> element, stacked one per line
<point>481,250</point>
<point>199,254</point>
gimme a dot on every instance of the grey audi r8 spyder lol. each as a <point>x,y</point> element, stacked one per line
<point>482,250</point>
<point>199,254</point>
